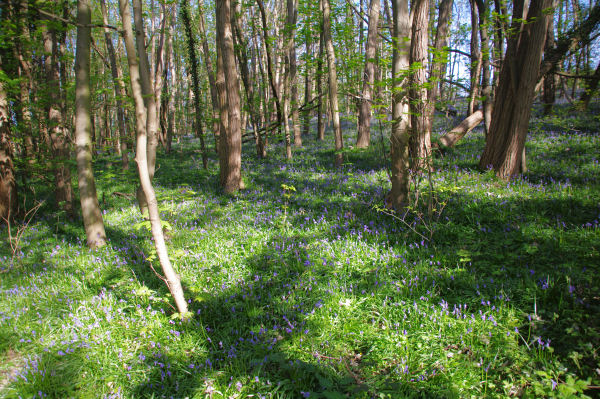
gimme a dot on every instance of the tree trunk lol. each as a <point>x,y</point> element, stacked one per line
<point>92,217</point>
<point>486,87</point>
<point>211,75</point>
<point>292,18</point>
<point>8,183</point>
<point>149,101</point>
<point>121,142</point>
<point>333,84</point>
<point>307,83</point>
<point>592,86</point>
<point>453,136</point>
<point>516,89</point>
<point>549,93</point>
<point>420,141</point>
<point>191,47</point>
<point>440,53</point>
<point>320,93</point>
<point>58,134</point>
<point>364,111</point>
<point>171,278</point>
<point>400,135</point>
<point>475,67</point>
<point>230,152</point>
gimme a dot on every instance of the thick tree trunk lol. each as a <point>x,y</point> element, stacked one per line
<point>121,142</point>
<point>453,136</point>
<point>364,111</point>
<point>400,136</point>
<point>191,47</point>
<point>92,217</point>
<point>420,141</point>
<point>333,84</point>
<point>8,183</point>
<point>512,107</point>
<point>58,133</point>
<point>171,278</point>
<point>230,152</point>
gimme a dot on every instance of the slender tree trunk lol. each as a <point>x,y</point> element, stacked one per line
<point>512,106</point>
<point>269,57</point>
<point>400,135</point>
<point>211,74</point>
<point>364,111</point>
<point>159,67</point>
<point>320,93</point>
<point>191,47</point>
<point>171,278</point>
<point>420,142</point>
<point>8,183</point>
<point>292,18</point>
<point>549,93</point>
<point>58,134</point>
<point>121,142</point>
<point>486,86</point>
<point>92,217</point>
<point>149,101</point>
<point>286,108</point>
<point>230,152</point>
<point>440,53</point>
<point>475,58</point>
<point>333,84</point>
<point>307,82</point>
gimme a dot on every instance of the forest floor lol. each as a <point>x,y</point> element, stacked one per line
<point>317,291</point>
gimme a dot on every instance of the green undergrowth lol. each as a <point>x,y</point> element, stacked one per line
<point>302,287</point>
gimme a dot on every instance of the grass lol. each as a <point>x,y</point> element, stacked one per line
<point>314,292</point>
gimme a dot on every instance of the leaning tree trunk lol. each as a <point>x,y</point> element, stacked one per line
<point>92,217</point>
<point>486,84</point>
<point>230,151</point>
<point>453,136</point>
<point>333,84</point>
<point>171,278</point>
<point>420,141</point>
<point>400,109</point>
<point>8,184</point>
<point>516,89</point>
<point>364,111</point>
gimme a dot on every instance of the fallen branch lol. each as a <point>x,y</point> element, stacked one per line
<point>453,136</point>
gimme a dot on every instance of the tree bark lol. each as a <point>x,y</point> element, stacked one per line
<point>549,93</point>
<point>320,93</point>
<point>420,141</point>
<point>92,217</point>
<point>453,136</point>
<point>333,84</point>
<point>307,82</point>
<point>292,18</point>
<point>475,67</point>
<point>486,86</point>
<point>440,53</point>
<point>230,151</point>
<point>516,89</point>
<point>364,111</point>
<point>400,135</point>
<point>8,183</point>
<point>121,142</point>
<point>191,47</point>
<point>171,278</point>
<point>149,101</point>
